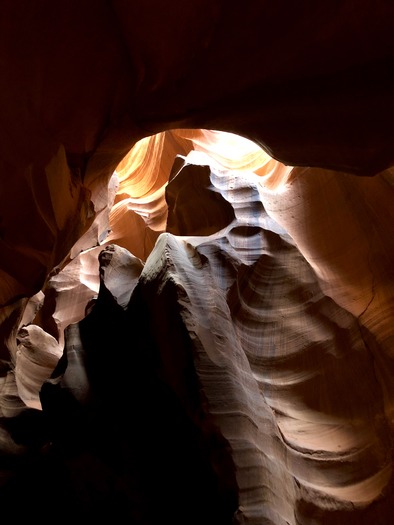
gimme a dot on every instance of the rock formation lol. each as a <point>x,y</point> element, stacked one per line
<point>197,262</point>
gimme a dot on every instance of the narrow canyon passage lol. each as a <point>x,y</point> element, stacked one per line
<point>196,262</point>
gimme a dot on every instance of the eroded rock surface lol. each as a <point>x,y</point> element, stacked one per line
<point>267,399</point>
<point>209,343</point>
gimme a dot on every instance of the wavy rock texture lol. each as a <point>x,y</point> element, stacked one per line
<point>194,329</point>
<point>259,386</point>
<point>75,100</point>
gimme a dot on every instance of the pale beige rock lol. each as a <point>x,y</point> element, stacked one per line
<point>38,354</point>
<point>68,293</point>
<point>119,271</point>
<point>11,404</point>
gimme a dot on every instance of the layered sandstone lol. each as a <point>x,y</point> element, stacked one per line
<point>195,325</point>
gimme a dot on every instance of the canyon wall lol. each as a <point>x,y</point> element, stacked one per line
<point>196,262</point>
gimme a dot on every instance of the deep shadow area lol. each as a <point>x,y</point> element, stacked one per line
<point>130,438</point>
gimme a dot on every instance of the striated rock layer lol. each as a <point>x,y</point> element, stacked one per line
<point>82,83</point>
<point>194,329</point>
<point>219,379</point>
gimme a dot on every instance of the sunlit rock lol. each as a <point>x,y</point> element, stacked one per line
<point>37,356</point>
<point>212,344</point>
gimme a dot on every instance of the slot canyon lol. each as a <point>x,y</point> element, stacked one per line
<point>197,262</point>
